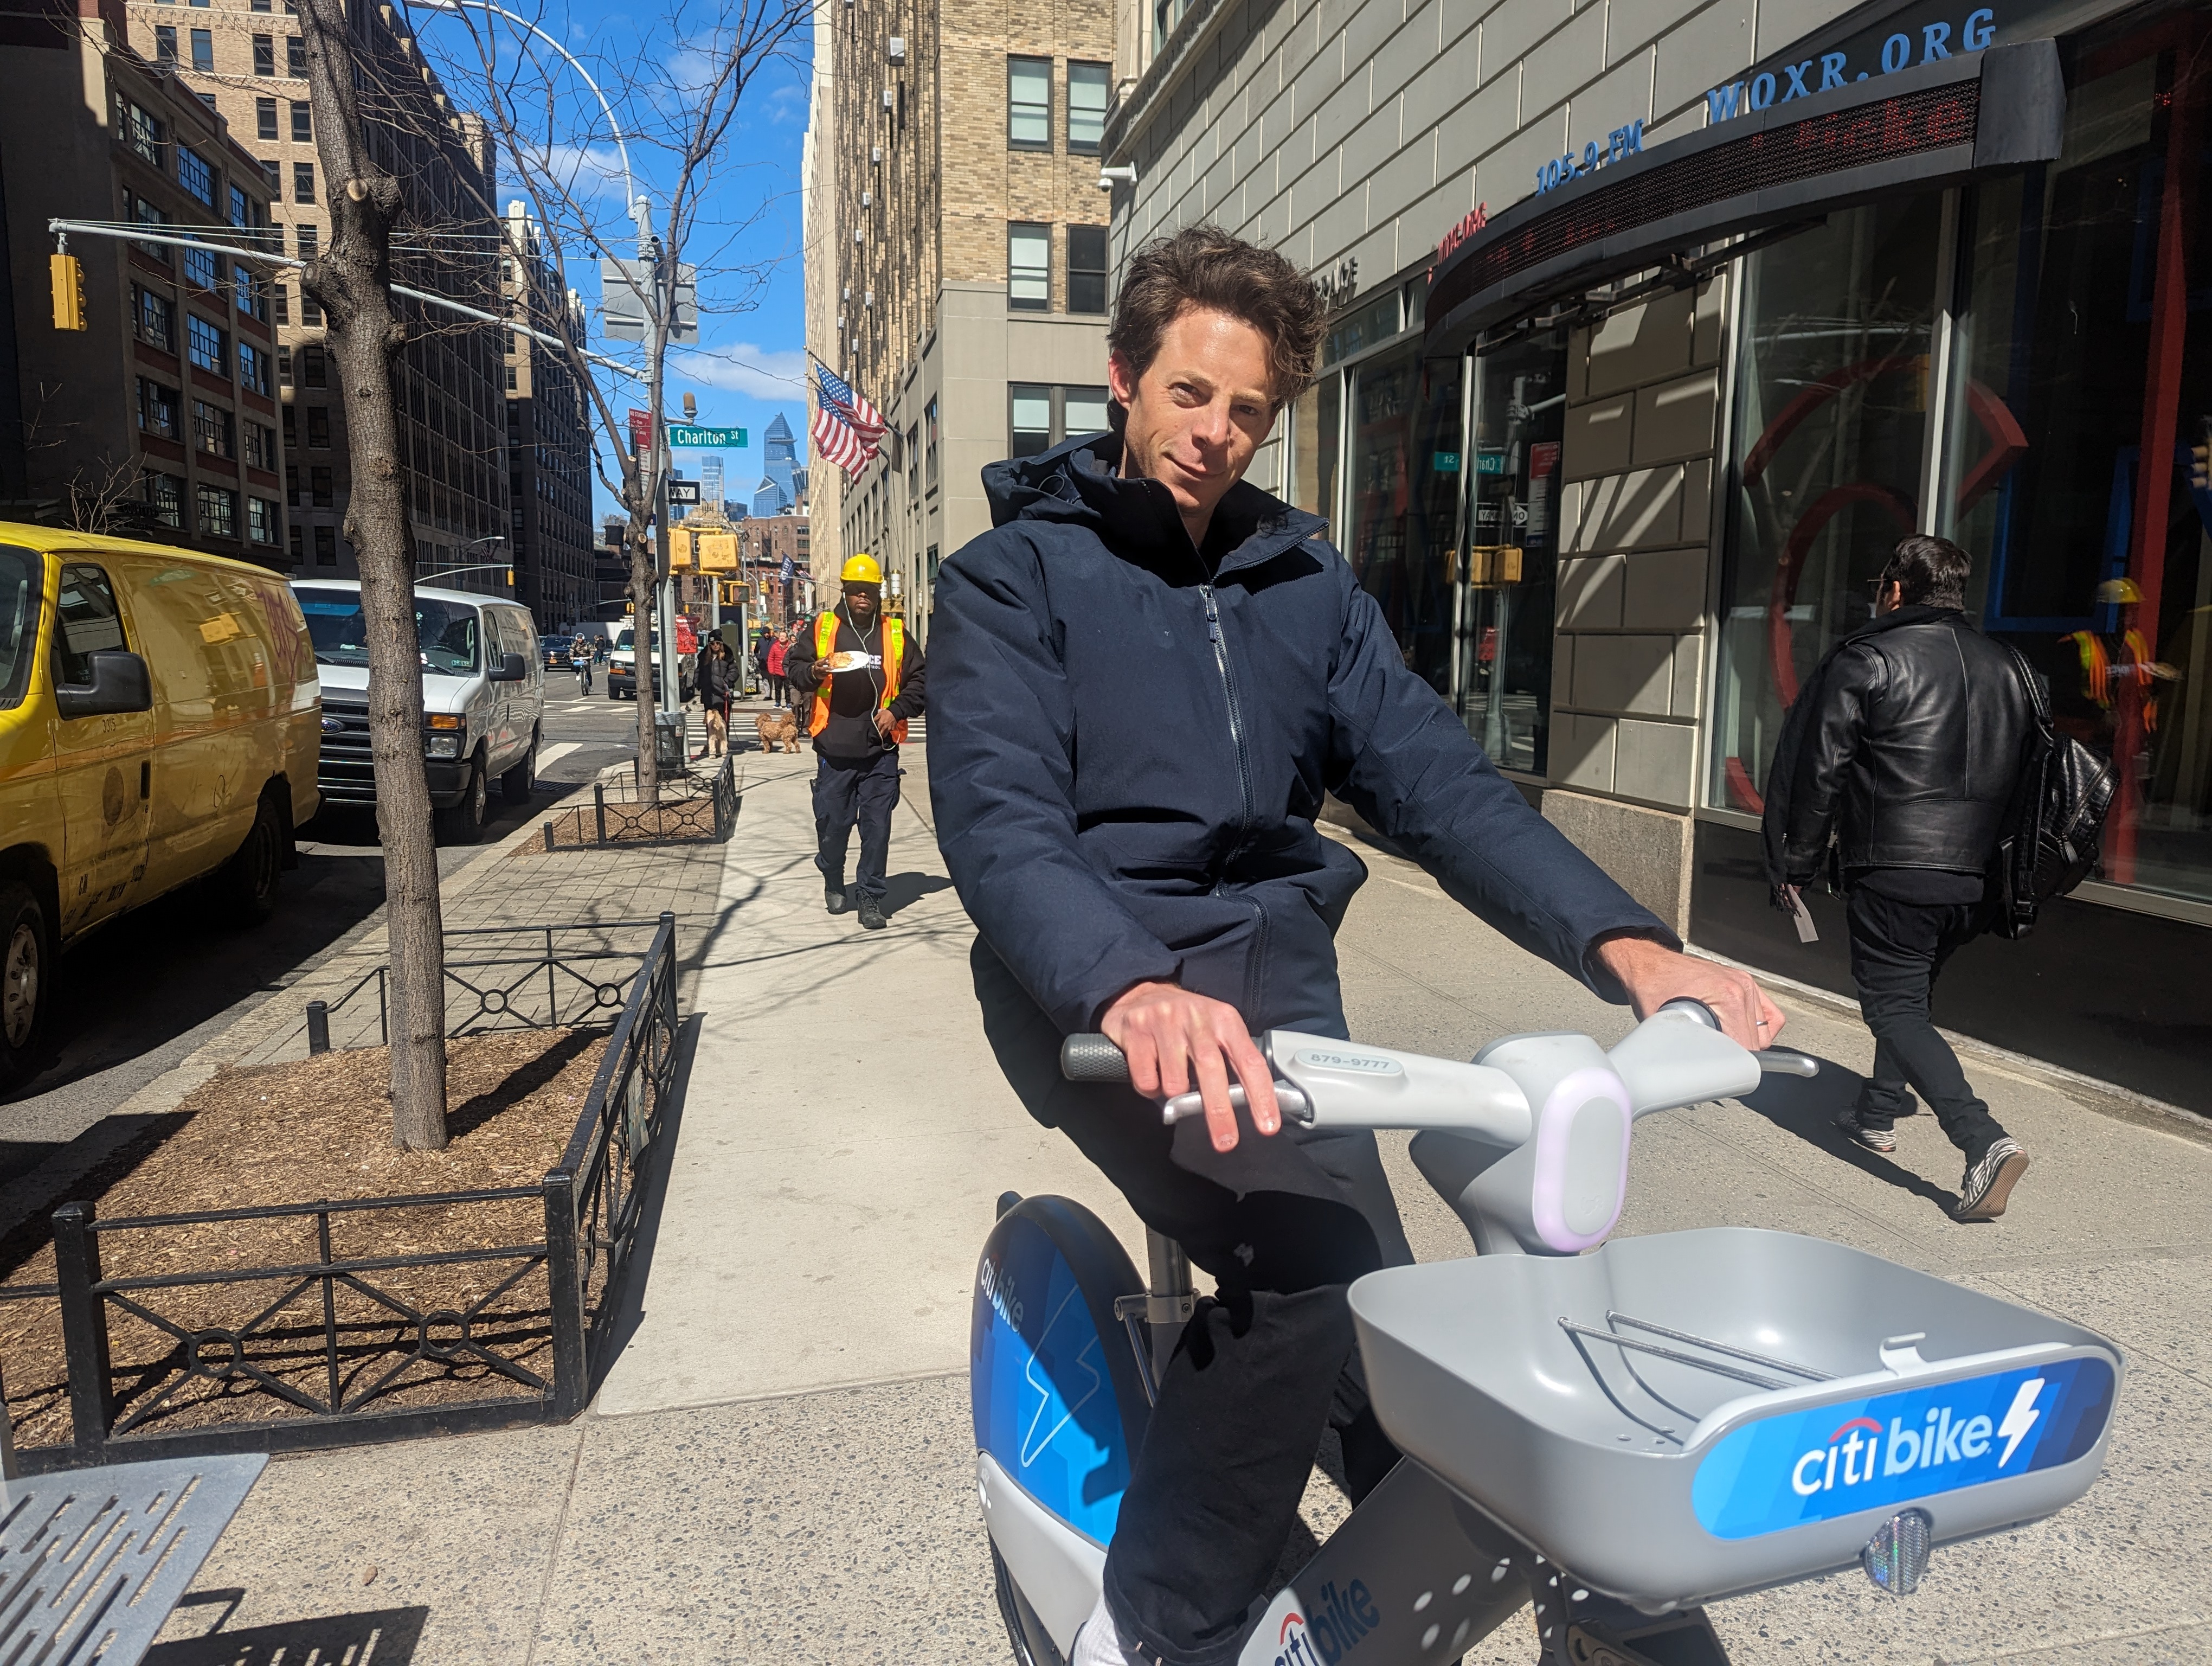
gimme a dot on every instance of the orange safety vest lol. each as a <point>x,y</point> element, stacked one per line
<point>825,644</point>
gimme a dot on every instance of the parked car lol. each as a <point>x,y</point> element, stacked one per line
<point>483,699</point>
<point>622,666</point>
<point>157,724</point>
<point>557,652</point>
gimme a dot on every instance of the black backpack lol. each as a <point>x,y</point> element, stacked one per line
<point>2057,817</point>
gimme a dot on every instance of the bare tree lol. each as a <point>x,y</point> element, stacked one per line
<point>675,98</point>
<point>351,281</point>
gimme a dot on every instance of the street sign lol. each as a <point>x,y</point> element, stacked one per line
<point>683,491</point>
<point>625,287</point>
<point>713,439</point>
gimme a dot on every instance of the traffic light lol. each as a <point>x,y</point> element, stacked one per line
<point>67,275</point>
<point>2200,458</point>
<point>510,578</point>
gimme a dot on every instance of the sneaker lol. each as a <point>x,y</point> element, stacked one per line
<point>1873,1138</point>
<point>1098,1641</point>
<point>872,912</point>
<point>1989,1181</point>
<point>833,897</point>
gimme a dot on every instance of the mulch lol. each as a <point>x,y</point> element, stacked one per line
<point>306,1132</point>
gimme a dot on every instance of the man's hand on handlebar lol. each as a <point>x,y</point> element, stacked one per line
<point>1170,1035</point>
<point>1654,975</point>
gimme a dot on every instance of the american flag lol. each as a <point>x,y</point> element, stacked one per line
<point>863,418</point>
<point>835,440</point>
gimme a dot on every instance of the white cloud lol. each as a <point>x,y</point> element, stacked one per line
<point>764,373</point>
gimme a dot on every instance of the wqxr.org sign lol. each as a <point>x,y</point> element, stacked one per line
<point>1923,44</point>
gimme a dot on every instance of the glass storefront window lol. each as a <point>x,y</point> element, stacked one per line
<point>1830,435</point>
<point>1316,435</point>
<point>2085,347</point>
<point>1511,565</point>
<point>1403,479</point>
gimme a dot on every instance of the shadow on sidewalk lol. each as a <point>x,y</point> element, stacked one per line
<point>388,1637</point>
<point>630,1301</point>
<point>904,891</point>
<point>1808,1110</point>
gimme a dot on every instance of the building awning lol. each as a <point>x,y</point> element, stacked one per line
<point>1791,162</point>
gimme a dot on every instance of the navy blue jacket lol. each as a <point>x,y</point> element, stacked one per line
<point>1126,756</point>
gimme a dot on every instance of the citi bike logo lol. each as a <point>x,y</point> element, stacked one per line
<point>1341,1620</point>
<point>1851,1453</point>
<point>999,1290</point>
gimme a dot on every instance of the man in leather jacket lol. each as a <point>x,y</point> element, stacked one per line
<point>1905,746</point>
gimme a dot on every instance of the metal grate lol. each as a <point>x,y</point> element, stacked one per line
<point>1933,119</point>
<point>92,1563</point>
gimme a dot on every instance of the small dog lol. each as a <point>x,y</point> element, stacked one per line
<point>778,728</point>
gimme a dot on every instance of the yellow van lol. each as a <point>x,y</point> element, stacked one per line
<point>159,720</point>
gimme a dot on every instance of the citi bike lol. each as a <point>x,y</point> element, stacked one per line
<point>1618,1432</point>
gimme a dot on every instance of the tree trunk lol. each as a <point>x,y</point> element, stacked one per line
<point>352,280</point>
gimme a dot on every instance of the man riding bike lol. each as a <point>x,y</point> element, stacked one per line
<point>580,655</point>
<point>1146,678</point>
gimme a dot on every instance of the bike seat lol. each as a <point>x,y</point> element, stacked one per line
<point>1681,1416</point>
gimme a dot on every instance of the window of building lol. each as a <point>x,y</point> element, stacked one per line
<point>299,553</point>
<point>207,347</point>
<point>260,446</point>
<point>241,208</point>
<point>202,268</point>
<point>284,371</point>
<point>195,175</point>
<point>326,546</point>
<point>142,132</point>
<point>1083,410</point>
<point>1029,103</point>
<point>319,428</point>
<point>1088,85</point>
<point>1086,269</point>
<point>1166,13</point>
<point>165,496</point>
<point>259,5</point>
<point>157,410</point>
<point>311,311</point>
<point>295,57</point>
<point>1403,498</point>
<point>272,176</point>
<point>929,445</point>
<point>253,366</point>
<point>306,240</point>
<point>143,213</point>
<point>218,508</point>
<point>283,298</point>
<point>261,520</point>
<point>303,182</point>
<point>165,43</point>
<point>213,430</point>
<point>250,292</point>
<point>319,489</point>
<point>303,122</point>
<point>1029,267</point>
<point>203,50</point>
<point>265,63</point>
<point>265,118</point>
<point>1029,418</point>
<point>157,318</point>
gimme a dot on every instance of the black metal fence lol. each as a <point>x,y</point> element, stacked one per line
<point>690,808</point>
<point>353,1347</point>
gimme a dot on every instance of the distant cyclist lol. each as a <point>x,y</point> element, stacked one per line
<point>580,655</point>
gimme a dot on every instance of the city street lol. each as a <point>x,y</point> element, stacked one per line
<point>144,991</point>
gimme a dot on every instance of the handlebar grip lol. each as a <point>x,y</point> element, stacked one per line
<point>1691,1008</point>
<point>1092,1058</point>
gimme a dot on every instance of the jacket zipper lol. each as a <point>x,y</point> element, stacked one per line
<point>1254,968</point>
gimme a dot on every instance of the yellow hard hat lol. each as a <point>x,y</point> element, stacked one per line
<point>2121,591</point>
<point>860,569</point>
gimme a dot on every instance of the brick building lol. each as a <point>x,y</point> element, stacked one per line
<point>245,58</point>
<point>160,419</point>
<point>958,150</point>
<point>549,438</point>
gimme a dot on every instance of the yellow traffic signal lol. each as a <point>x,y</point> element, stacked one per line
<point>67,274</point>
<point>510,578</point>
<point>2200,463</point>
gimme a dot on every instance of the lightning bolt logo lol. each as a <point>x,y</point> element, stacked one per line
<point>2019,1419</point>
<point>1033,1441</point>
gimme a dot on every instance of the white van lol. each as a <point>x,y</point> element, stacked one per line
<point>483,699</point>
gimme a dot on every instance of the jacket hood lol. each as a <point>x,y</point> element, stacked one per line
<point>1077,483</point>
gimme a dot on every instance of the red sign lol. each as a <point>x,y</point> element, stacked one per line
<point>640,432</point>
<point>1474,220</point>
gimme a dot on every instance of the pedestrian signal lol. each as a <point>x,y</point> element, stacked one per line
<point>67,274</point>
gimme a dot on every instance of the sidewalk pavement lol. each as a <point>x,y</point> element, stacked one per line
<point>780,1465</point>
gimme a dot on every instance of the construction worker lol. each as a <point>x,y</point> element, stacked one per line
<point>865,675</point>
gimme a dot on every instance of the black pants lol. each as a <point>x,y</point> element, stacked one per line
<point>1263,1367</point>
<point>864,790</point>
<point>1897,950</point>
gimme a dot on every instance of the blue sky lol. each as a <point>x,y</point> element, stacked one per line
<point>750,358</point>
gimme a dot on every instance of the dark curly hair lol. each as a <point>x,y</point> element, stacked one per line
<point>1202,266</point>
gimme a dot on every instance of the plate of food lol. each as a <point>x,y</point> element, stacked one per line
<point>851,660</point>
